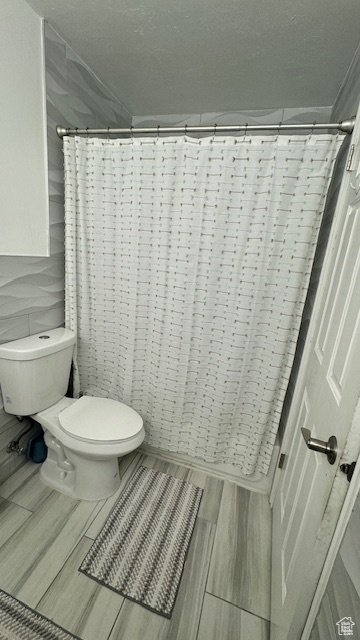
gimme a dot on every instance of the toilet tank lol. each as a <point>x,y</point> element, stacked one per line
<point>34,371</point>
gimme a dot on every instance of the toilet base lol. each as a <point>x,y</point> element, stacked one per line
<point>76,476</point>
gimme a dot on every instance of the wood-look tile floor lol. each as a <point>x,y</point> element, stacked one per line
<point>225,587</point>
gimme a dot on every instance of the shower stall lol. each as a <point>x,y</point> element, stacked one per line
<point>188,262</point>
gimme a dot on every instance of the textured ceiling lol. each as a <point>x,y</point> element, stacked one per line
<point>195,56</point>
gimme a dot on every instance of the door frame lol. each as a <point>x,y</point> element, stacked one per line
<point>342,496</point>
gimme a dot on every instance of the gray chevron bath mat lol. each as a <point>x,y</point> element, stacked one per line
<point>19,622</point>
<point>141,550</point>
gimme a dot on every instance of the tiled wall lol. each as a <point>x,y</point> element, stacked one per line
<point>32,289</point>
<point>347,101</point>
<point>269,116</point>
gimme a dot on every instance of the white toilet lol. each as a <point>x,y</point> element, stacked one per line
<point>85,437</point>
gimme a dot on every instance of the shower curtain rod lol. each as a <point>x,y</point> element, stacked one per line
<point>345,126</point>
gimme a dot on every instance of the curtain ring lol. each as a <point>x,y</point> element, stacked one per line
<point>108,133</point>
<point>87,132</point>
<point>158,132</point>
<point>312,128</point>
<point>215,125</point>
<point>246,126</point>
<point>131,132</point>
<point>186,129</point>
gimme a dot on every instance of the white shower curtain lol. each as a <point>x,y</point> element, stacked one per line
<point>187,264</point>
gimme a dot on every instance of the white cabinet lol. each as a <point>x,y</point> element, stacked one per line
<point>24,207</point>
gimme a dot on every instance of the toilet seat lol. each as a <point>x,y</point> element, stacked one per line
<point>100,419</point>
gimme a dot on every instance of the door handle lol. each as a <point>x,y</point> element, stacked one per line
<point>329,447</point>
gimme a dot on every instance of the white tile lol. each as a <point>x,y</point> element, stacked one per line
<point>46,320</point>
<point>167,120</point>
<point>57,209</point>
<point>135,622</point>
<point>18,480</point>
<point>211,499</point>
<point>11,517</point>
<point>34,555</point>
<point>80,604</point>
<point>309,114</point>
<point>240,565</point>
<point>10,463</point>
<point>14,328</point>
<point>222,620</point>
<point>40,553</point>
<point>32,492</point>
<point>187,609</point>
<point>266,116</point>
<point>6,419</point>
<point>10,428</point>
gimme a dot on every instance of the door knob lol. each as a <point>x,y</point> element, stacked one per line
<point>329,447</point>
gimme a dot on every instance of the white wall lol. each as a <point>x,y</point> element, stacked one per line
<point>24,217</point>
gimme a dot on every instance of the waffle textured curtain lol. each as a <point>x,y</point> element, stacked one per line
<point>187,265</point>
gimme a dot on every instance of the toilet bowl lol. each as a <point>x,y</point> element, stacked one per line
<point>85,436</point>
<point>82,460</point>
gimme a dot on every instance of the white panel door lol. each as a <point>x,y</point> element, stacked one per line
<point>324,402</point>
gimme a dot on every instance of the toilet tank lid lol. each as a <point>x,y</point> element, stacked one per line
<point>38,345</point>
<point>103,419</point>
